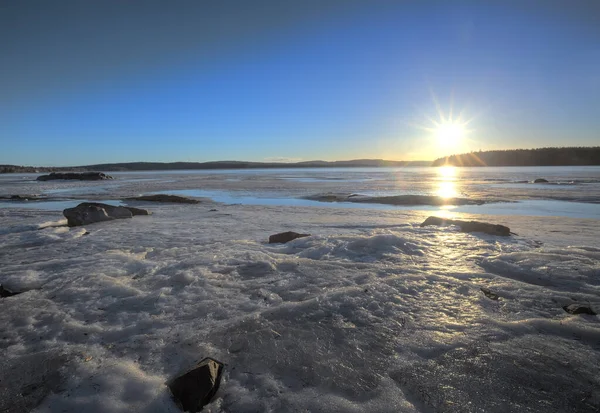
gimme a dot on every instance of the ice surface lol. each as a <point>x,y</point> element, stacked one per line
<point>370,313</point>
<point>572,191</point>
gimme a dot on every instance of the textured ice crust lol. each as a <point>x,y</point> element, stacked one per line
<point>371,313</point>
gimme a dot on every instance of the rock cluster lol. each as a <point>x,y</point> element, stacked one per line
<point>81,176</point>
<point>21,197</point>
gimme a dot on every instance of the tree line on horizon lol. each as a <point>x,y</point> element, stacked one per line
<point>510,157</point>
<point>169,166</point>
<point>567,156</point>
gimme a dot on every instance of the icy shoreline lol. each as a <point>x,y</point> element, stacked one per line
<point>372,312</point>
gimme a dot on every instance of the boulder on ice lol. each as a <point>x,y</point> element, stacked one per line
<point>284,237</point>
<point>195,388</point>
<point>92,212</point>
<point>470,226</point>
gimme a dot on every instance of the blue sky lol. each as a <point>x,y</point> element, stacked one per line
<point>96,82</point>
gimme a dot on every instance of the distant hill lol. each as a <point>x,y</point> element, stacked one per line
<point>170,166</point>
<point>526,157</point>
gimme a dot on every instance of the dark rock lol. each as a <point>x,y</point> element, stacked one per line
<point>540,181</point>
<point>4,292</point>
<point>284,237</point>
<point>489,294</point>
<point>194,389</point>
<point>165,198</point>
<point>81,176</point>
<point>395,199</point>
<point>492,229</point>
<point>88,214</point>
<point>578,309</point>
<point>212,210</point>
<point>91,212</point>
<point>470,226</point>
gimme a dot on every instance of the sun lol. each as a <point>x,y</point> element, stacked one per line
<point>450,134</point>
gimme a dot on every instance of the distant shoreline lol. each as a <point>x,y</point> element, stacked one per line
<point>572,156</point>
<point>218,165</point>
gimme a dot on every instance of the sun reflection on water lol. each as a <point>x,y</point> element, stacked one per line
<point>446,185</point>
<point>446,190</point>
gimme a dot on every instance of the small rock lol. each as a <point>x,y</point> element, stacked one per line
<point>195,388</point>
<point>489,294</point>
<point>4,292</point>
<point>578,309</point>
<point>540,181</point>
<point>165,198</point>
<point>212,210</point>
<point>470,226</point>
<point>284,237</point>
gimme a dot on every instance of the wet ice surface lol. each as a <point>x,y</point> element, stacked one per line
<point>370,313</point>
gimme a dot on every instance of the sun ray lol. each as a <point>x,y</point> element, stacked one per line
<point>450,112</point>
<point>438,107</point>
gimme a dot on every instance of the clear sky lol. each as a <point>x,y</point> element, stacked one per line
<point>85,82</point>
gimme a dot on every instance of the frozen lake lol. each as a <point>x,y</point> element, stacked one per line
<point>371,312</point>
<point>570,191</point>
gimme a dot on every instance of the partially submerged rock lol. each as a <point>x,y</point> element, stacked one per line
<point>284,237</point>
<point>433,200</point>
<point>470,226</point>
<point>194,389</point>
<point>92,212</point>
<point>81,176</point>
<point>165,198</point>
<point>578,309</point>
<point>5,292</point>
<point>540,181</point>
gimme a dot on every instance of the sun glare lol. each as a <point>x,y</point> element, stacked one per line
<point>450,134</point>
